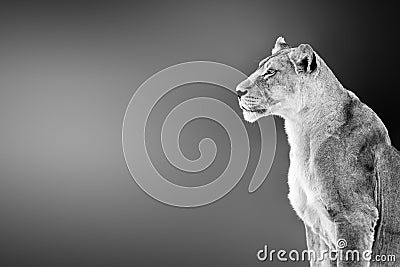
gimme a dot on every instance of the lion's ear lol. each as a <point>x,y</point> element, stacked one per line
<point>279,45</point>
<point>303,59</point>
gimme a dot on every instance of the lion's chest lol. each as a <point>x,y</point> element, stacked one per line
<point>300,186</point>
<point>302,183</point>
<point>305,187</point>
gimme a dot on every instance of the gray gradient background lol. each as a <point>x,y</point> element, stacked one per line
<point>67,73</point>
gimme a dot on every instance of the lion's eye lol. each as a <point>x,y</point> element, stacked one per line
<point>269,72</point>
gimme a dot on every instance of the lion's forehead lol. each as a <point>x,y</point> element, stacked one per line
<point>279,56</point>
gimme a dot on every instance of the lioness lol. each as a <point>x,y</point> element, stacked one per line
<point>344,175</point>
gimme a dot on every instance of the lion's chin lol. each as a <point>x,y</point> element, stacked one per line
<point>252,116</point>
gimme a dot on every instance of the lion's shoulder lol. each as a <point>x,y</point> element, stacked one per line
<point>358,124</point>
<point>347,154</point>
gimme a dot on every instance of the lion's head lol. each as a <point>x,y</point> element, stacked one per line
<point>282,83</point>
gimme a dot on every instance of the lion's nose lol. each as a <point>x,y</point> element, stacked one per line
<point>243,88</point>
<point>241,93</point>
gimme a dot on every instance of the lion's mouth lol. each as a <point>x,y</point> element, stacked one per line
<point>259,111</point>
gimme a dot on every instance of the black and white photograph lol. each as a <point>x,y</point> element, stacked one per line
<point>199,134</point>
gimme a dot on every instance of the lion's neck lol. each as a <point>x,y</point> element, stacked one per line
<point>320,113</point>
